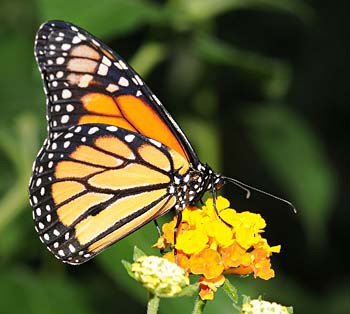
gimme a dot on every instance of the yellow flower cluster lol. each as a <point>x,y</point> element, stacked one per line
<point>211,246</point>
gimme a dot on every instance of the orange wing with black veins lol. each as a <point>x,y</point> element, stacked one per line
<point>94,184</point>
<point>86,82</point>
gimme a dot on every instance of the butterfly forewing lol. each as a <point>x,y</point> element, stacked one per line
<point>94,184</point>
<point>86,82</point>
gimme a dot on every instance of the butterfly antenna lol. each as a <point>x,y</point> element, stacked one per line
<point>247,188</point>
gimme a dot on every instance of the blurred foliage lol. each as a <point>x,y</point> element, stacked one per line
<point>243,79</point>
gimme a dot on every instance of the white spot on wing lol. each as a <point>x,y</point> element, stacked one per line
<point>60,60</point>
<point>118,65</point>
<point>112,88</point>
<point>93,130</point>
<point>95,42</point>
<point>123,81</point>
<point>139,79</point>
<point>123,65</point>
<point>111,128</point>
<point>129,138</point>
<point>65,119</point>
<point>102,70</point>
<point>81,36</point>
<point>66,93</point>
<point>154,142</point>
<point>66,46</point>
<point>76,40</point>
<point>71,248</point>
<point>106,61</point>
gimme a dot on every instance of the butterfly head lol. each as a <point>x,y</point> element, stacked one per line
<point>191,187</point>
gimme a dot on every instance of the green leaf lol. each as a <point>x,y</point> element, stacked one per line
<point>199,306</point>
<point>20,145</point>
<point>296,157</point>
<point>188,291</point>
<point>116,17</point>
<point>24,292</point>
<point>199,10</point>
<point>137,253</point>
<point>147,57</point>
<point>204,137</point>
<point>272,75</point>
<point>245,299</point>
<point>127,266</point>
<point>230,290</point>
<point>18,95</point>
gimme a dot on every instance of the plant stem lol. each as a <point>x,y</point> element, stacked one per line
<point>199,305</point>
<point>153,304</point>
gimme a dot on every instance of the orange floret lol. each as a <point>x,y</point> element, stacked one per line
<point>209,286</point>
<point>207,262</point>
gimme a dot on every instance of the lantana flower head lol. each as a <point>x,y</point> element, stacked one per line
<point>258,306</point>
<point>160,276</point>
<point>213,242</point>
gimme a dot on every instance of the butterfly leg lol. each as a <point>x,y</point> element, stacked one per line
<point>179,219</point>
<point>214,195</point>
<point>159,234</point>
<point>158,228</point>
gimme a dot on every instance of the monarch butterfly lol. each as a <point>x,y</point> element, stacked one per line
<point>114,158</point>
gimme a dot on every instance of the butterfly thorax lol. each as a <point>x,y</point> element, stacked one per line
<point>190,188</point>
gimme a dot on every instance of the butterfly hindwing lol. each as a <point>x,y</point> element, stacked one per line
<point>86,82</point>
<point>94,184</point>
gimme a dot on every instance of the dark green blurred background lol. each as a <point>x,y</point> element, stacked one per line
<point>260,87</point>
